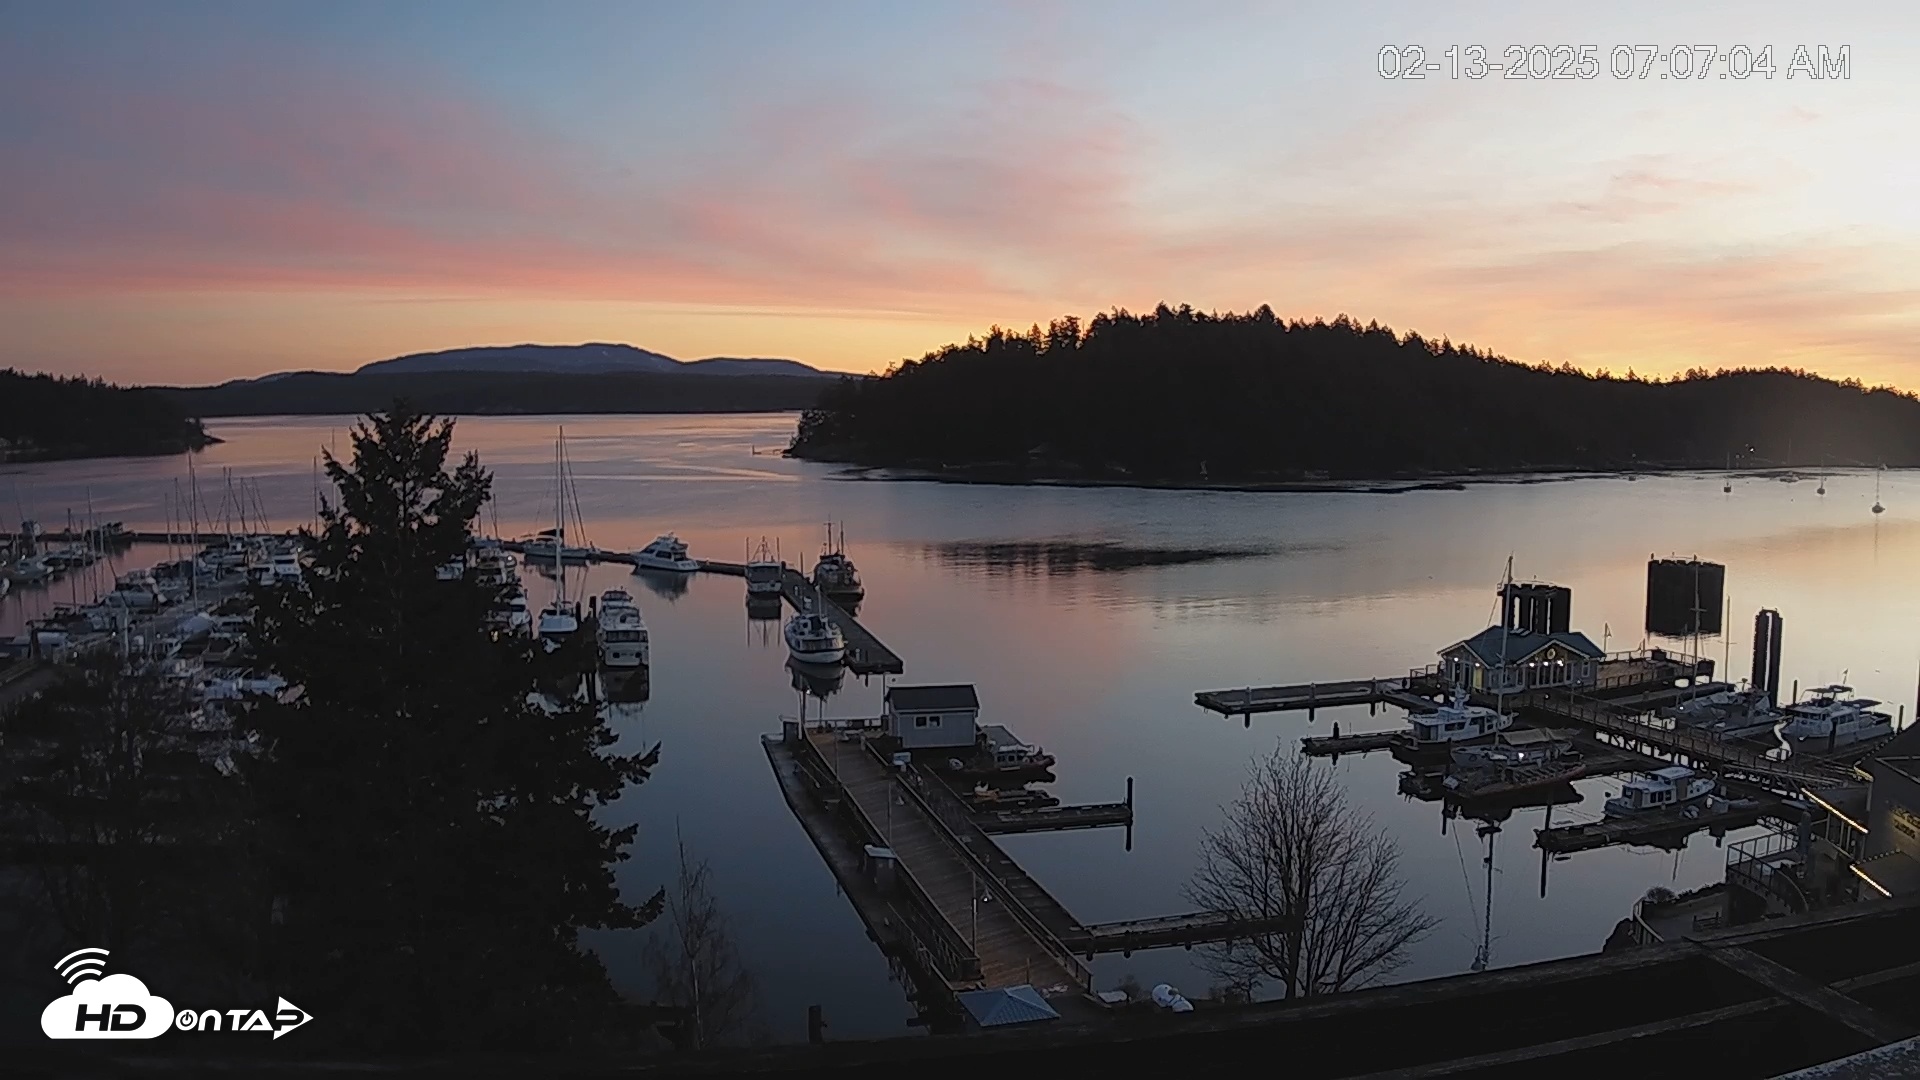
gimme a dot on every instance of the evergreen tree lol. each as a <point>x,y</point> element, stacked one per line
<point>427,820</point>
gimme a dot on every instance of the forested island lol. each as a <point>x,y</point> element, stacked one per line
<point>48,417</point>
<point>1182,397</point>
<point>478,393</point>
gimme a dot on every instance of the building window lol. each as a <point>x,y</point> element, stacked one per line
<point>919,721</point>
<point>933,721</point>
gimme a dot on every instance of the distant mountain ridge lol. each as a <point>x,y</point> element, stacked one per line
<point>593,358</point>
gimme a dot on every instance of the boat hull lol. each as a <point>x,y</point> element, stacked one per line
<point>827,657</point>
<point>674,566</point>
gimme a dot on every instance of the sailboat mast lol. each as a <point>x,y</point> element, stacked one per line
<point>559,520</point>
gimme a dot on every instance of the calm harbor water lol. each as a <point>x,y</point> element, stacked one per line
<point>1087,618</point>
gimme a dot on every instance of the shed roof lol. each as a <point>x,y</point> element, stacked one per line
<point>947,698</point>
<point>1011,1005</point>
<point>1486,645</point>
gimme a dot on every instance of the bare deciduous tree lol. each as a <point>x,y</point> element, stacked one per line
<point>695,966</point>
<point>1292,847</point>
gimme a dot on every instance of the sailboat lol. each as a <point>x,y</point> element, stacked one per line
<point>1877,508</point>
<point>560,619</point>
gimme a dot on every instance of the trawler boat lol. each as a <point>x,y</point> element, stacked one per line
<point>820,680</point>
<point>1831,714</point>
<point>812,638</point>
<point>1661,789</point>
<point>766,574</point>
<point>667,552</point>
<point>1456,722</point>
<point>834,575</point>
<point>1729,714</point>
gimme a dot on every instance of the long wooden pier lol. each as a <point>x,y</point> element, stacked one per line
<point>1402,691</point>
<point>1730,756</point>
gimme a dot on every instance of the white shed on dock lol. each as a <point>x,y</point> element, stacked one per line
<point>926,717</point>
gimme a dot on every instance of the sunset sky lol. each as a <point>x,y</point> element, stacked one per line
<point>191,192</point>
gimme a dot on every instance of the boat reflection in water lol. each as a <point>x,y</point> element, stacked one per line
<point>764,608</point>
<point>819,680</point>
<point>666,584</point>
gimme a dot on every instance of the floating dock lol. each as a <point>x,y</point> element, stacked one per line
<point>1416,695</point>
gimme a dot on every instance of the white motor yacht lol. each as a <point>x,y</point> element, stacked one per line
<point>286,566</point>
<point>812,638</point>
<point>1661,789</point>
<point>1831,714</point>
<point>622,631</point>
<point>1730,714</point>
<point>1456,722</point>
<point>667,552</point>
<point>550,544</point>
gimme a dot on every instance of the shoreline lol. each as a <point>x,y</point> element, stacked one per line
<point>1379,486</point>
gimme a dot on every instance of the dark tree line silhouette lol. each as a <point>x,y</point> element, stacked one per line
<point>1179,395</point>
<point>44,417</point>
<point>479,393</point>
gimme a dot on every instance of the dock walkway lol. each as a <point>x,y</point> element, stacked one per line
<point>1402,691</point>
<point>1651,827</point>
<point>866,654</point>
<point>1728,755</point>
<point>1009,951</point>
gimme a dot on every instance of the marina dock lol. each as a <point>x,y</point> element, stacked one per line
<point>1409,693</point>
<point>1054,818</point>
<point>936,891</point>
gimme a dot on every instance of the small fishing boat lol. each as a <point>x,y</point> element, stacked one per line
<point>493,567</point>
<point>812,638</point>
<point>30,570</point>
<point>985,797</point>
<point>667,552</point>
<point>999,755</point>
<point>766,574</point>
<point>1662,789</point>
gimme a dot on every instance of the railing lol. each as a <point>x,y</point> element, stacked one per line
<point>953,818</point>
<point>928,932</point>
<point>1749,863</point>
<point>1709,747</point>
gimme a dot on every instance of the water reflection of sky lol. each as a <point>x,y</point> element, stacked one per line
<point>1097,660</point>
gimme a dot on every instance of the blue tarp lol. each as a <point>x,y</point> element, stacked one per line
<point>1013,1005</point>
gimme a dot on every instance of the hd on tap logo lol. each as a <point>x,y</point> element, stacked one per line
<point>118,1006</point>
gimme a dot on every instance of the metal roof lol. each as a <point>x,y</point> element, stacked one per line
<point>1012,1005</point>
<point>948,698</point>
<point>1521,644</point>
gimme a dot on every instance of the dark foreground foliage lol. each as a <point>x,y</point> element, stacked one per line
<point>1182,396</point>
<point>44,417</point>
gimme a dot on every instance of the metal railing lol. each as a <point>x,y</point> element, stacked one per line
<point>1752,865</point>
<point>930,935</point>
<point>953,819</point>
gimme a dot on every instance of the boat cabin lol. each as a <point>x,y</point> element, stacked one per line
<point>927,717</point>
<point>1662,787</point>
